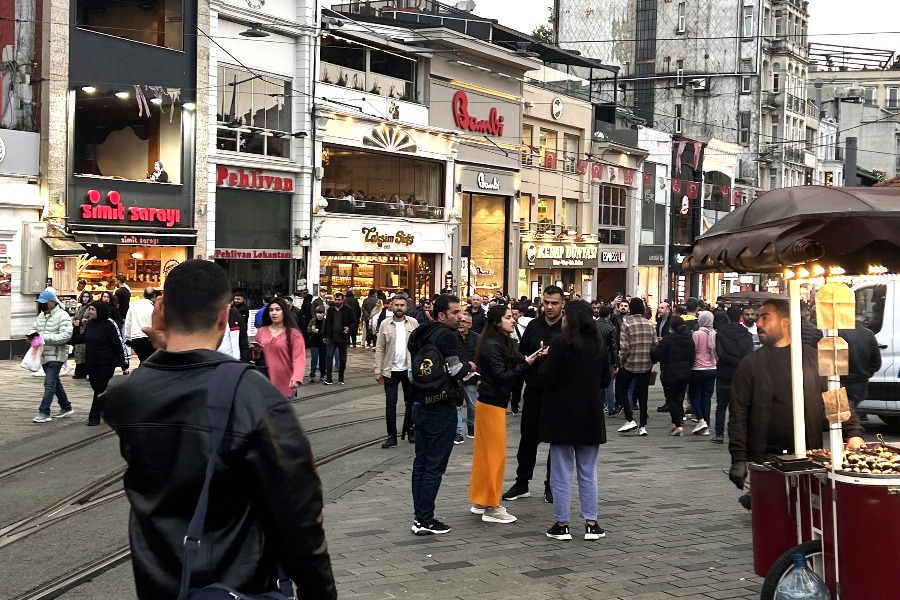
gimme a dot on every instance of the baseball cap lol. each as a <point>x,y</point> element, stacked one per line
<point>47,296</point>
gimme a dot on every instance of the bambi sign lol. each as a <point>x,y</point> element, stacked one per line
<point>493,125</point>
<point>371,236</point>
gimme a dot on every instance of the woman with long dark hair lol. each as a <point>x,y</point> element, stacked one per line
<point>574,376</point>
<point>79,321</point>
<point>115,315</point>
<point>501,367</point>
<point>104,351</point>
<point>280,341</point>
<point>675,354</point>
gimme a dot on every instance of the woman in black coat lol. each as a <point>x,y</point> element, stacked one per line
<point>675,353</point>
<point>104,351</point>
<point>502,368</point>
<point>574,376</point>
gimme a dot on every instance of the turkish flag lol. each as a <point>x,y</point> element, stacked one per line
<point>738,196</point>
<point>648,179</point>
<point>676,186</point>
<point>596,171</point>
<point>628,176</point>
<point>581,167</point>
<point>550,160</point>
<point>693,190</point>
<point>726,191</point>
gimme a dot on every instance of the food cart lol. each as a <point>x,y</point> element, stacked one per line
<point>841,509</point>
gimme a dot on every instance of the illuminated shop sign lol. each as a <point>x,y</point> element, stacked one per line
<point>484,184</point>
<point>114,210</point>
<point>249,253</point>
<point>371,236</point>
<point>253,179</point>
<point>615,256</point>
<point>493,125</point>
<point>544,256</point>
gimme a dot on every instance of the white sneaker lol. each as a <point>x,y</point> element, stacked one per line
<point>42,418</point>
<point>38,373</point>
<point>477,509</point>
<point>629,426</point>
<point>61,414</point>
<point>642,431</point>
<point>700,427</point>
<point>497,514</point>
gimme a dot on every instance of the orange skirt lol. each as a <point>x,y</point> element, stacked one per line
<point>489,455</point>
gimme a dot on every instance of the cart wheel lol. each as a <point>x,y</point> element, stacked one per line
<point>812,550</point>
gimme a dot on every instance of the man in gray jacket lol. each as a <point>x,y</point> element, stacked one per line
<point>55,326</point>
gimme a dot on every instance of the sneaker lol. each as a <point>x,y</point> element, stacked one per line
<point>329,382</point>
<point>311,379</point>
<point>459,439</point>
<point>559,532</point>
<point>433,528</point>
<point>677,432</point>
<point>63,413</point>
<point>478,509</point>
<point>390,442</point>
<point>518,490</point>
<point>718,439</point>
<point>700,428</point>
<point>745,501</point>
<point>548,495</point>
<point>340,382</point>
<point>593,531</point>
<point>470,432</point>
<point>642,431</point>
<point>38,373</point>
<point>497,514</point>
<point>42,418</point>
<point>664,408</point>
<point>93,423</point>
<point>629,426</point>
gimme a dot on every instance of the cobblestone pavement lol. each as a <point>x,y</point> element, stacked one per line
<point>674,528</point>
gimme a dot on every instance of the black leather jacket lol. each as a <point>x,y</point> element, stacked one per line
<point>265,500</point>
<point>498,377</point>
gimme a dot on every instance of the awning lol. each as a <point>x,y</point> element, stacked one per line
<point>181,237</point>
<point>63,245</point>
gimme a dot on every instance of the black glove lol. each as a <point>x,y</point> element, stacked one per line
<point>738,474</point>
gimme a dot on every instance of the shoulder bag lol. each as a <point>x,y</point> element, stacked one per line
<point>219,400</point>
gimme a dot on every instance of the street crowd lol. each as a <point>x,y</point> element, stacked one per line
<point>563,365</point>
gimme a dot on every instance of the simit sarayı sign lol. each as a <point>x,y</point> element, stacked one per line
<point>493,125</point>
<point>253,179</point>
<point>114,210</point>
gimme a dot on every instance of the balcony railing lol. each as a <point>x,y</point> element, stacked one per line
<point>547,228</point>
<point>795,104</point>
<point>794,155</point>
<point>373,83</point>
<point>384,208</point>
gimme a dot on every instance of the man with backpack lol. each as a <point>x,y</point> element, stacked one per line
<point>437,370</point>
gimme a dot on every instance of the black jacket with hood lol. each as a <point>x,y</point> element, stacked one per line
<point>865,355</point>
<point>733,343</point>
<point>450,346</point>
<point>675,354</point>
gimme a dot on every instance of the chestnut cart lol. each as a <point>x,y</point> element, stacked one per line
<point>839,508</point>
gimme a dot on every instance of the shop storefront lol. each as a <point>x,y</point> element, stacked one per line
<point>651,274</point>
<point>612,272</point>
<point>569,264</point>
<point>253,229</point>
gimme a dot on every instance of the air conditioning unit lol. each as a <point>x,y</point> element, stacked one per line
<point>700,84</point>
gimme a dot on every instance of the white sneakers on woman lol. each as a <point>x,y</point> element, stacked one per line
<point>701,428</point>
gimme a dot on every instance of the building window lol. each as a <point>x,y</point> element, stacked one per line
<point>547,140</point>
<point>746,80</point>
<point>767,14</point>
<point>570,157</point>
<point>870,95</point>
<point>612,214</point>
<point>528,147</point>
<point>779,24</point>
<point>810,139</point>
<point>350,65</point>
<point>774,132</point>
<point>893,97</point>
<point>253,113</point>
<point>160,25</point>
<point>747,21</point>
<point>681,17</point>
<point>570,214</point>
<point>679,73</point>
<point>545,214</point>
<point>677,118</point>
<point>776,84</point>
<point>744,128</point>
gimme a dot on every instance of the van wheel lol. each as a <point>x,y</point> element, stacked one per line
<point>785,564</point>
<point>890,421</point>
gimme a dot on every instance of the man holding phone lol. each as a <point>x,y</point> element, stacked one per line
<point>537,337</point>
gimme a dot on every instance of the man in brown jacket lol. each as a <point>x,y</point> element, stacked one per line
<point>761,420</point>
<point>392,363</point>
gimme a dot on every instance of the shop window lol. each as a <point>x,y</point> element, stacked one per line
<point>483,266</point>
<point>570,156</point>
<point>253,113</point>
<point>154,22</point>
<point>528,147</point>
<point>120,135</point>
<point>570,214</point>
<point>258,220</point>
<point>348,64</point>
<point>359,182</point>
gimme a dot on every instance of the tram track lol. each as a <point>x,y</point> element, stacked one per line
<point>61,585</point>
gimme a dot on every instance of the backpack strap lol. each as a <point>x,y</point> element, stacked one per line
<point>219,400</point>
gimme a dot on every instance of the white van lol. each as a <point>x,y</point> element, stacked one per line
<point>876,307</point>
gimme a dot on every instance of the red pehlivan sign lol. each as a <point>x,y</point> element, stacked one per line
<point>493,125</point>
<point>115,211</point>
<point>252,179</point>
<point>249,253</point>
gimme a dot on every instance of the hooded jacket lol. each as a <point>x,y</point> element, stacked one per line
<point>865,355</point>
<point>56,329</point>
<point>102,340</point>
<point>450,346</point>
<point>809,334</point>
<point>675,354</point>
<point>265,498</point>
<point>733,343</point>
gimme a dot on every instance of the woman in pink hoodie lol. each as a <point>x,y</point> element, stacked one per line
<point>703,372</point>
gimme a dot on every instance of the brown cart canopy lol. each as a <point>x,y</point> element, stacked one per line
<point>851,227</point>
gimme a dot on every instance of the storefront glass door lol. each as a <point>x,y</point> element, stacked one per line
<point>484,241</point>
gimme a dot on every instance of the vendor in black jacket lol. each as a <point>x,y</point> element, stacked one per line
<point>104,351</point>
<point>675,354</point>
<point>540,332</point>
<point>436,423</point>
<point>733,343</point>
<point>266,498</point>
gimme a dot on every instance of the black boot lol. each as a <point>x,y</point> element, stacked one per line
<point>664,408</point>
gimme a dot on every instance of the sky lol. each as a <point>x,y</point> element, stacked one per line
<point>826,17</point>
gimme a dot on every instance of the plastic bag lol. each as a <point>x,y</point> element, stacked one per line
<point>32,360</point>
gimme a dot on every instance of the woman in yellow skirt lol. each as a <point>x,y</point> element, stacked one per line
<point>501,367</point>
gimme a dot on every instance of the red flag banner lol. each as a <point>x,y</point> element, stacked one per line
<point>648,179</point>
<point>581,167</point>
<point>550,160</point>
<point>738,196</point>
<point>628,176</point>
<point>676,186</point>
<point>726,191</point>
<point>693,190</point>
<point>596,171</point>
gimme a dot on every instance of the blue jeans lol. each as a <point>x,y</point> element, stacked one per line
<point>316,359</point>
<point>562,459</point>
<point>610,392</point>
<point>470,391</point>
<point>52,385</point>
<point>435,430</point>
<point>703,383</point>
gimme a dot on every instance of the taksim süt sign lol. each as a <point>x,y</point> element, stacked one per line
<point>371,236</point>
<point>542,256</point>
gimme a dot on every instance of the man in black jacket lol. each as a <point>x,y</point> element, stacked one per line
<point>733,343</point>
<point>159,414</point>
<point>436,422</point>
<point>479,315</point>
<point>338,321</point>
<point>355,313</point>
<point>608,333</point>
<point>865,361</point>
<point>539,333</point>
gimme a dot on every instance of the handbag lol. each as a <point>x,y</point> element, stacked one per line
<point>219,401</point>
